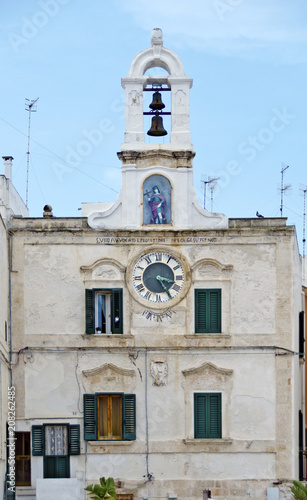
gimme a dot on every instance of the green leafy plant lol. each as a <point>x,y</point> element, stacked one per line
<point>299,490</point>
<point>106,489</point>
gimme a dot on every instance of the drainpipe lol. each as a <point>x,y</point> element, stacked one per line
<point>10,304</point>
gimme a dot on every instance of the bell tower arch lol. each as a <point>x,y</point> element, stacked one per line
<point>178,83</point>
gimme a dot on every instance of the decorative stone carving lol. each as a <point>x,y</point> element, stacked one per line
<point>180,98</point>
<point>135,98</point>
<point>104,272</point>
<point>158,371</point>
<point>108,378</point>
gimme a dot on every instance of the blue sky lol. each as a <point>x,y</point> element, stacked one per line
<point>248,101</point>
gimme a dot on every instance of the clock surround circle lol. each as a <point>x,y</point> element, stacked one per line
<point>158,278</point>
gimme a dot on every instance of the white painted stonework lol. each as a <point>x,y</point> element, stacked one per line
<point>61,266</point>
<point>140,160</point>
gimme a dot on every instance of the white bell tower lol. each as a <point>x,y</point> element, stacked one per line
<point>179,85</point>
<point>157,178</point>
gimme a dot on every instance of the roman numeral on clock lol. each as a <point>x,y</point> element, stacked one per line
<point>158,256</point>
<point>140,287</point>
<point>148,260</point>
<point>176,288</point>
<point>137,278</point>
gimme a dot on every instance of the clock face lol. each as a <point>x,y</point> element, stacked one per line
<point>158,277</point>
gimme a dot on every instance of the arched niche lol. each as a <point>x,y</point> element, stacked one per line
<point>157,200</point>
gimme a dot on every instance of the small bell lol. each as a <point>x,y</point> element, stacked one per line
<point>157,103</point>
<point>157,128</point>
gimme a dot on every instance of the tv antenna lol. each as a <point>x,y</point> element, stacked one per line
<point>209,181</point>
<point>212,186</point>
<point>31,107</point>
<point>304,189</point>
<point>283,188</point>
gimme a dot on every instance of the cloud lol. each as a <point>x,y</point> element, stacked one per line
<point>247,28</point>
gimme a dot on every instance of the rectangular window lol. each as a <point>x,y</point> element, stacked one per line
<point>56,443</point>
<point>109,417</point>
<point>208,415</point>
<point>104,311</point>
<point>208,311</point>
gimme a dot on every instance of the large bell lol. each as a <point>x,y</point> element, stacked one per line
<point>157,103</point>
<point>157,128</point>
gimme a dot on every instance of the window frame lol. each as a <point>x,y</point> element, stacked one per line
<point>91,417</point>
<point>56,466</point>
<point>209,416</point>
<point>206,319</point>
<point>116,310</point>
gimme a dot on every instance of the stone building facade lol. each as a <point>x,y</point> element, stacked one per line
<point>11,205</point>
<point>153,341</point>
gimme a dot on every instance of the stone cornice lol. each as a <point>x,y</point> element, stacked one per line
<point>180,158</point>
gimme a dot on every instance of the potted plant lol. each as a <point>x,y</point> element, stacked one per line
<point>299,490</point>
<point>106,489</point>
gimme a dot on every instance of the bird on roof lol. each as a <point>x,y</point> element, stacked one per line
<point>259,215</point>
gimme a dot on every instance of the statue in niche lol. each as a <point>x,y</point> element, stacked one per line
<point>158,371</point>
<point>157,190</point>
<point>157,203</point>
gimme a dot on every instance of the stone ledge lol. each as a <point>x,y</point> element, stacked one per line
<point>207,441</point>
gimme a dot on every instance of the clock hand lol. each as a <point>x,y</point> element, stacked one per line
<point>159,278</point>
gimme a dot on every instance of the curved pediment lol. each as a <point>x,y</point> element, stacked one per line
<point>108,378</point>
<point>205,368</point>
<point>108,368</point>
<point>210,268</point>
<point>104,269</point>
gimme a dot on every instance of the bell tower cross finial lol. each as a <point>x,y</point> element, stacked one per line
<point>156,37</point>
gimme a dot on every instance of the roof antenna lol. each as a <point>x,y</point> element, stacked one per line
<point>31,107</point>
<point>304,224</point>
<point>283,188</point>
<point>209,181</point>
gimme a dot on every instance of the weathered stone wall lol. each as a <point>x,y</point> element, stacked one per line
<point>55,260</point>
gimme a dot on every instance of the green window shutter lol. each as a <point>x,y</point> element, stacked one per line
<point>129,420</point>
<point>49,467</point>
<point>62,467</point>
<point>117,310</point>
<point>208,311</point>
<point>90,311</point>
<point>38,440</point>
<point>208,415</point>
<point>74,439</point>
<point>90,417</point>
<point>215,311</point>
<point>215,412</point>
<point>56,467</point>
<point>200,412</point>
<point>200,311</point>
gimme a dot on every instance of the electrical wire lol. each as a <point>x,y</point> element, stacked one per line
<point>59,157</point>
